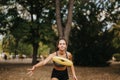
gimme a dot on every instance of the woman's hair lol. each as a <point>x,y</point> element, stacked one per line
<point>58,42</point>
<point>61,39</point>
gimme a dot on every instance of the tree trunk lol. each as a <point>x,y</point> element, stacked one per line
<point>64,31</point>
<point>58,19</point>
<point>16,47</point>
<point>35,50</point>
<point>69,20</point>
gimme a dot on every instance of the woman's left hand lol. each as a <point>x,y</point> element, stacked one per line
<point>30,73</point>
<point>75,78</point>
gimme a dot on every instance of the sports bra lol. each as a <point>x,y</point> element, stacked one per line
<point>57,64</point>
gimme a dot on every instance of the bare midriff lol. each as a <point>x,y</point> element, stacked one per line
<point>60,68</point>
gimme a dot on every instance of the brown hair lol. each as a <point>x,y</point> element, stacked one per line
<point>59,40</point>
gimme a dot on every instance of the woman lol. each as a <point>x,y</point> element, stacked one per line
<point>59,71</point>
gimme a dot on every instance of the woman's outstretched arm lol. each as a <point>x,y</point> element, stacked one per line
<point>41,63</point>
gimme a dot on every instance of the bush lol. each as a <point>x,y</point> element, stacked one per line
<point>117,56</point>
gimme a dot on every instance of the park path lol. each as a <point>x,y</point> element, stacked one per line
<point>17,70</point>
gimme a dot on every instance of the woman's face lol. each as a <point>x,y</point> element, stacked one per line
<point>62,45</point>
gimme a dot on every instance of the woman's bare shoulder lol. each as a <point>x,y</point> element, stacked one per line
<point>53,54</point>
<point>69,54</point>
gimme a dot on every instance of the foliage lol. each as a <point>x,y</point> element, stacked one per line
<point>1,46</point>
<point>8,45</point>
<point>25,49</point>
<point>28,21</point>
<point>91,40</point>
<point>117,56</point>
<point>116,39</point>
<point>44,49</point>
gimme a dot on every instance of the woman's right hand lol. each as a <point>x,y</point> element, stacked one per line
<point>30,73</point>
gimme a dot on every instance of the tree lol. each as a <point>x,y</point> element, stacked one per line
<point>116,39</point>
<point>91,40</point>
<point>34,16</point>
<point>64,27</point>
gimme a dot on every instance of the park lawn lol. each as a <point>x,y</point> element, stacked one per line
<point>17,70</point>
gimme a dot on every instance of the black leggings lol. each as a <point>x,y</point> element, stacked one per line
<point>60,75</point>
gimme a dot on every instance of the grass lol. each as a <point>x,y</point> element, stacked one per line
<point>17,70</point>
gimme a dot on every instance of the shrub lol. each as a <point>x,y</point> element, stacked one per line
<point>117,56</point>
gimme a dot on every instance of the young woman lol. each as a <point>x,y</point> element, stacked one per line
<point>59,71</point>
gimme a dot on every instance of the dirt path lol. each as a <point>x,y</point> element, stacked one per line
<point>17,69</point>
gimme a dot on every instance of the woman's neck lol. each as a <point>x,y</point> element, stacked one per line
<point>61,52</point>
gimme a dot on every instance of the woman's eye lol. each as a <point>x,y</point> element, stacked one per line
<point>62,44</point>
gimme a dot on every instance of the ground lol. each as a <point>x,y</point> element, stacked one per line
<point>17,70</point>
